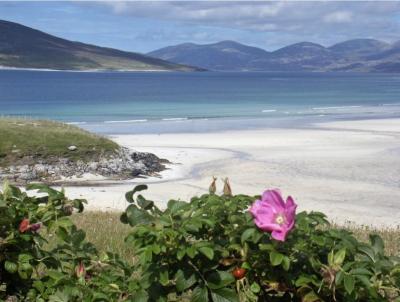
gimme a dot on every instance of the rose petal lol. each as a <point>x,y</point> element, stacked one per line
<point>279,235</point>
<point>274,197</point>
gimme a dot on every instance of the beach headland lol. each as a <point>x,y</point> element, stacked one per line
<point>349,170</point>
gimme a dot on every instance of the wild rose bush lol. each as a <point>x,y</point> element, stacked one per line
<point>213,248</point>
<point>243,248</point>
<point>71,270</point>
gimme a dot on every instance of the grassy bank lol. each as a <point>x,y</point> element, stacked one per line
<point>27,141</point>
<point>106,231</point>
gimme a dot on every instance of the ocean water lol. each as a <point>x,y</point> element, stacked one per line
<point>150,102</point>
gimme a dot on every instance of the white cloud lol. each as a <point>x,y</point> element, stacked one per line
<point>323,22</point>
<point>338,17</point>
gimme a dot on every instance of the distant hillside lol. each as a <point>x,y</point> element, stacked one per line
<point>225,55</point>
<point>360,55</point>
<point>24,47</point>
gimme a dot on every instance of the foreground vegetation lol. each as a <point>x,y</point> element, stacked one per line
<point>209,249</point>
<point>106,232</point>
<point>24,141</point>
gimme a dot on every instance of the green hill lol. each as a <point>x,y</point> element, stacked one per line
<point>25,47</point>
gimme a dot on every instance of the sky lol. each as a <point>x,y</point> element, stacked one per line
<point>143,26</point>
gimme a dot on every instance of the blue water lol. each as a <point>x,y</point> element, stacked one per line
<point>129,102</point>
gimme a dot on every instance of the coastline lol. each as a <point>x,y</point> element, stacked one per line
<point>345,169</point>
<point>86,70</point>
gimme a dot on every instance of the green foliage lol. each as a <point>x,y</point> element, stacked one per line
<point>192,249</point>
<point>186,252</point>
<point>21,140</point>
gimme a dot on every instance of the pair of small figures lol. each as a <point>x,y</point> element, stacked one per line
<point>227,191</point>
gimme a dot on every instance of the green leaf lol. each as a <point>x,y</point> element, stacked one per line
<point>78,237</point>
<point>140,296</point>
<point>207,251</point>
<point>224,295</point>
<point>364,280</point>
<point>191,251</point>
<point>361,271</point>
<point>339,257</point>
<point>219,279</point>
<point>377,244</point>
<point>255,288</point>
<point>286,263</point>
<point>247,234</point>
<point>164,276</point>
<point>311,297</point>
<point>184,280</point>
<point>365,249</point>
<point>200,294</point>
<point>10,267</point>
<point>129,195</point>
<point>24,258</point>
<point>144,203</point>
<point>276,258</point>
<point>137,216</point>
<point>349,283</point>
<point>176,205</point>
<point>180,254</point>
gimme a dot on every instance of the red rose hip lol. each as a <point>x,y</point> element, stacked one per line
<point>239,273</point>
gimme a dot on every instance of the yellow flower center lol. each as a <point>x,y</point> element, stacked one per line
<point>280,219</point>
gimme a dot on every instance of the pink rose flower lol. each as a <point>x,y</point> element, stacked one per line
<point>272,214</point>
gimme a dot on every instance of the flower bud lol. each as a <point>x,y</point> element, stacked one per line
<point>35,227</point>
<point>227,187</point>
<point>24,225</point>
<point>213,187</point>
<point>80,270</point>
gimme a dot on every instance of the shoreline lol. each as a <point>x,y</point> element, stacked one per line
<point>346,169</point>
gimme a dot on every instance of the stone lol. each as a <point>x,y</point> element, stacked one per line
<point>72,148</point>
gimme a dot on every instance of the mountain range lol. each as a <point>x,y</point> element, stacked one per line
<point>358,55</point>
<point>25,47</point>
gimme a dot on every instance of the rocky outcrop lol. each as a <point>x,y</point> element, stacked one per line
<point>125,164</point>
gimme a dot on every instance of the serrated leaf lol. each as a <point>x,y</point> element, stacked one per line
<point>184,280</point>
<point>164,277</point>
<point>10,267</point>
<point>200,294</point>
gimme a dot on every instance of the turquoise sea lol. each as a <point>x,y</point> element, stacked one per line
<point>151,102</point>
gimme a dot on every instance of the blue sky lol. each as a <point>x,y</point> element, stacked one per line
<point>148,25</point>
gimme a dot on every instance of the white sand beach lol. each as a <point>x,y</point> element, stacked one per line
<point>350,170</point>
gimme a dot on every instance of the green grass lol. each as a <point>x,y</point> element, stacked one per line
<point>25,141</point>
<point>105,231</point>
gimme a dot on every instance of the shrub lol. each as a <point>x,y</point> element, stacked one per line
<point>211,250</point>
<point>208,249</point>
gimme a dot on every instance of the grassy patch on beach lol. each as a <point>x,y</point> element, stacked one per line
<point>25,141</point>
<point>106,231</point>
